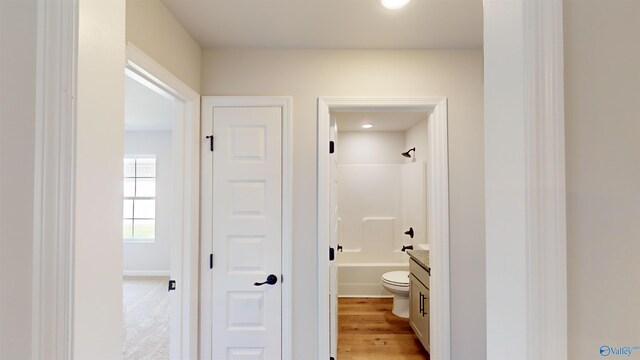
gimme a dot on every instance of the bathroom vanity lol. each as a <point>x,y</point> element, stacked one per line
<point>419,277</point>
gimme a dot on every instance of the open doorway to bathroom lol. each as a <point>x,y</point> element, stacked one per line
<point>383,192</point>
<point>381,216</point>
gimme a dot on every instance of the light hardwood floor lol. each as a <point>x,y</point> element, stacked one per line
<point>368,330</point>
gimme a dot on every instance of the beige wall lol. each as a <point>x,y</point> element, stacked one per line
<point>153,29</point>
<point>99,153</point>
<point>602,95</point>
<point>307,74</point>
<point>17,141</point>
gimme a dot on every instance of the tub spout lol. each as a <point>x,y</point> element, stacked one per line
<point>407,247</point>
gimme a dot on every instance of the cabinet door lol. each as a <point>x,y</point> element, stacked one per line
<point>426,314</point>
<point>419,310</point>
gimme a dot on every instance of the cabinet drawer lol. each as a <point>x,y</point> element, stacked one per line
<point>419,272</point>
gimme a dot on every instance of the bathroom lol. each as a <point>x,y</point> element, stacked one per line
<point>382,211</point>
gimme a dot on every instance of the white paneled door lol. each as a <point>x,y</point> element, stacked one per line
<point>247,233</point>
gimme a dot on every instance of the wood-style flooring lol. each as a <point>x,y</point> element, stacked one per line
<point>368,330</point>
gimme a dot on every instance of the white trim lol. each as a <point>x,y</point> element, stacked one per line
<point>185,143</point>
<point>138,241</point>
<point>208,103</point>
<point>525,180</point>
<point>437,209</point>
<point>54,177</point>
<point>146,273</point>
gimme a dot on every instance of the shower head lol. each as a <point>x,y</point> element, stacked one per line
<point>407,153</point>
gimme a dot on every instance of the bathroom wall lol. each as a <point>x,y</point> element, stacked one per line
<point>416,137</point>
<point>379,197</point>
<point>370,147</point>
<point>414,202</point>
<point>415,181</point>
<point>152,258</point>
<point>370,195</point>
<point>308,74</point>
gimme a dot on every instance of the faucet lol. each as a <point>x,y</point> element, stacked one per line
<point>407,247</point>
<point>409,232</point>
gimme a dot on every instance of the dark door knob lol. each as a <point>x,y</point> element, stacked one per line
<point>271,280</point>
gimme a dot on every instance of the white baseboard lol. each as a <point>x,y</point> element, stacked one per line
<point>362,290</point>
<point>146,273</point>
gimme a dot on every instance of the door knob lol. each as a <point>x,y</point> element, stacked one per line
<point>271,280</point>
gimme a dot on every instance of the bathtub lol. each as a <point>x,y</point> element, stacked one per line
<point>356,279</point>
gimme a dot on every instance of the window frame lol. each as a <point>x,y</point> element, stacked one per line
<point>133,240</point>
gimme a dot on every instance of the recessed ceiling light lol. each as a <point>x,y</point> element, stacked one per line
<point>367,126</point>
<point>394,4</point>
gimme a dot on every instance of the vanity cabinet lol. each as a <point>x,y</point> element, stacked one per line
<point>419,302</point>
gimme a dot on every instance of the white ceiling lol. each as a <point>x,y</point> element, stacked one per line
<point>331,24</point>
<point>145,109</point>
<point>381,121</point>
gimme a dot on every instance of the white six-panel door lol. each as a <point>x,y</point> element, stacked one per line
<point>247,233</point>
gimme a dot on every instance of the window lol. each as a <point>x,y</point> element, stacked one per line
<point>139,204</point>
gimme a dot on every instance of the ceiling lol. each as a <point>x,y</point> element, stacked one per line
<point>331,24</point>
<point>381,121</point>
<point>145,109</point>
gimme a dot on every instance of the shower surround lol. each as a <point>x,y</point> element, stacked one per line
<point>377,203</point>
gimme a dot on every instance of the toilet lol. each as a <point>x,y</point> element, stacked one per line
<point>397,283</point>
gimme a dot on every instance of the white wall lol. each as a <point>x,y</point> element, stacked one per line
<point>415,181</point>
<point>98,224</point>
<point>153,258</point>
<point>602,93</point>
<point>372,147</point>
<point>370,212</point>
<point>307,74</point>
<point>153,29</point>
<point>416,137</point>
<point>17,140</point>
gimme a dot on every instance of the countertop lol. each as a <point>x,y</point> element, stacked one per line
<point>421,257</point>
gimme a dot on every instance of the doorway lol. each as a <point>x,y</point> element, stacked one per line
<point>148,227</point>
<point>437,209</point>
<point>379,167</point>
<point>160,212</point>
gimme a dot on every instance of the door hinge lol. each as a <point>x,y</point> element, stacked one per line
<point>210,261</point>
<point>332,254</point>
<point>210,137</point>
<point>332,147</point>
<point>172,285</point>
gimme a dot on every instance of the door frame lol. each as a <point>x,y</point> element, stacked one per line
<point>185,193</point>
<point>206,213</point>
<point>437,208</point>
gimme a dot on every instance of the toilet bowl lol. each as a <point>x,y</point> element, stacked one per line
<point>397,283</point>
